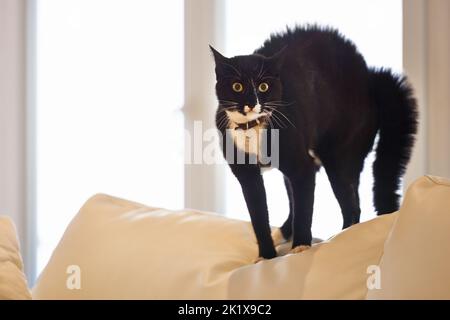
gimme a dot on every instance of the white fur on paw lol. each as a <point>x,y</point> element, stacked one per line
<point>258,259</point>
<point>278,237</point>
<point>299,249</point>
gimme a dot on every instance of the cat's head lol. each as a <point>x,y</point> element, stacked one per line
<point>249,86</point>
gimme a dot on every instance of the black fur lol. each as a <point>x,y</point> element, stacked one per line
<point>397,116</point>
<point>329,101</point>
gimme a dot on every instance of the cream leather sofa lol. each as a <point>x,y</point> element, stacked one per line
<point>117,249</point>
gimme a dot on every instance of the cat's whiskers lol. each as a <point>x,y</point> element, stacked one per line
<point>278,103</point>
<point>275,116</point>
<point>284,116</point>
<point>269,119</point>
<point>277,120</point>
<point>225,109</point>
<point>274,109</point>
<point>281,119</point>
<point>223,121</point>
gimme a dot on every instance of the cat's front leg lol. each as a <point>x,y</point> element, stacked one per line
<point>303,184</point>
<point>252,185</point>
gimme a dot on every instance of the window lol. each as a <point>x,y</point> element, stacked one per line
<point>108,84</point>
<point>375,27</point>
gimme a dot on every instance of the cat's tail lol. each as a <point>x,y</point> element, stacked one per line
<point>397,124</point>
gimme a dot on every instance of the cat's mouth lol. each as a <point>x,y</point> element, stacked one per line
<point>246,114</point>
<point>243,117</point>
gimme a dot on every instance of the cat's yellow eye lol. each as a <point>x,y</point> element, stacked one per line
<point>263,87</point>
<point>238,87</point>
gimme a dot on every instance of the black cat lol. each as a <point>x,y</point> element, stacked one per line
<point>313,86</point>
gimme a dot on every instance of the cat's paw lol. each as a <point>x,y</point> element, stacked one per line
<point>299,249</point>
<point>277,237</point>
<point>258,260</point>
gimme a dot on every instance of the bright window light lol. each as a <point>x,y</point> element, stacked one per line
<point>109,84</point>
<point>376,28</point>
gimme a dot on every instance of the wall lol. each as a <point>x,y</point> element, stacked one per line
<point>204,184</point>
<point>12,112</point>
<point>426,58</point>
<point>438,86</point>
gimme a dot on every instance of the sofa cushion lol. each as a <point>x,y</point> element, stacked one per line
<point>13,283</point>
<point>416,260</point>
<point>117,249</point>
<point>125,250</point>
<point>338,268</point>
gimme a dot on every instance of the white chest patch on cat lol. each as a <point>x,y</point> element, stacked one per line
<point>248,140</point>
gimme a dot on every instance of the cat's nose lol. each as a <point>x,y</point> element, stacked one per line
<point>248,108</point>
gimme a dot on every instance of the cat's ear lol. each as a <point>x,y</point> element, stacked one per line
<point>218,57</point>
<point>277,60</point>
<point>223,65</point>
